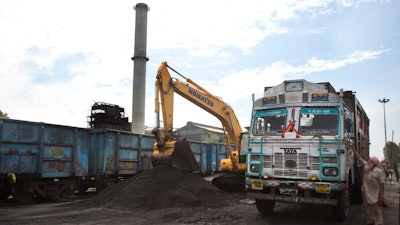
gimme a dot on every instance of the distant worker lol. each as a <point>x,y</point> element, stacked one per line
<point>391,173</point>
<point>385,170</point>
<point>396,171</point>
<point>373,189</point>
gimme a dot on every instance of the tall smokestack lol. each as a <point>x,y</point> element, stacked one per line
<point>139,69</point>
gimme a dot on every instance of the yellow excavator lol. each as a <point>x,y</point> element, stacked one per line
<point>176,151</point>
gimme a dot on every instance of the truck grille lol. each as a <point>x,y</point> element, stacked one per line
<point>291,165</point>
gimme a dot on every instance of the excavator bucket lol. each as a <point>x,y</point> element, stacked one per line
<point>181,157</point>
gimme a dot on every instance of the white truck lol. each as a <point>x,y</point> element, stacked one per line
<point>300,147</point>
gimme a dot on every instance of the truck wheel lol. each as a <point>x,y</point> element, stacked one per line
<point>265,207</point>
<point>341,210</point>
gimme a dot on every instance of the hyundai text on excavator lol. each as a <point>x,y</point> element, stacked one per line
<point>176,152</point>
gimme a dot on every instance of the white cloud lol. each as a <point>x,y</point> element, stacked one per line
<point>35,36</point>
<point>316,64</point>
<point>238,86</point>
<point>211,26</point>
<point>351,3</point>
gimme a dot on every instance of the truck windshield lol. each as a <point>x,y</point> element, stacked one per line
<point>270,121</point>
<point>322,121</point>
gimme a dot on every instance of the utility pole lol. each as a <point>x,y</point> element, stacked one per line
<point>391,151</point>
<point>384,101</point>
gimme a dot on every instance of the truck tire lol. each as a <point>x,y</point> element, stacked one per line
<point>265,207</point>
<point>341,210</point>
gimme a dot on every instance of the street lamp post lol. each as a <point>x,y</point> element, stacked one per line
<point>384,101</point>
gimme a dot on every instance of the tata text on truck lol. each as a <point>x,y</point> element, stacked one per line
<point>300,147</point>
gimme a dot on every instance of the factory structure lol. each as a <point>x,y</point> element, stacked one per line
<point>110,116</point>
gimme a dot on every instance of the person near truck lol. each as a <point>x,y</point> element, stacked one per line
<point>373,189</point>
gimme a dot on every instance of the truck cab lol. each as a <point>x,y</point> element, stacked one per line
<point>300,147</point>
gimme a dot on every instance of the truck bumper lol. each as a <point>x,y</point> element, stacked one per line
<point>270,190</point>
<point>293,199</point>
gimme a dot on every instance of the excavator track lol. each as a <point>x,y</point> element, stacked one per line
<point>230,181</point>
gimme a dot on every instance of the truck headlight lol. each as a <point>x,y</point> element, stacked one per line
<point>254,168</point>
<point>330,171</point>
<point>265,175</point>
<point>313,176</point>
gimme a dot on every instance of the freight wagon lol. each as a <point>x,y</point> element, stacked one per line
<point>39,159</point>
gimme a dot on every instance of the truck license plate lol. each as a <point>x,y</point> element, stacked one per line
<point>288,191</point>
<point>323,188</point>
<point>257,185</point>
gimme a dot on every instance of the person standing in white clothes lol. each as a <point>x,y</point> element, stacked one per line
<point>373,189</point>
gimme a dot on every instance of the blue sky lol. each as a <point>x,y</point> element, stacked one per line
<point>59,57</point>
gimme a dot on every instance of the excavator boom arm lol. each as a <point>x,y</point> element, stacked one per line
<point>165,88</point>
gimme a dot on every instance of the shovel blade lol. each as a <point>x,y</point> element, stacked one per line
<point>181,158</point>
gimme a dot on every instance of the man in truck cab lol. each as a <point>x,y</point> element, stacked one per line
<point>373,189</point>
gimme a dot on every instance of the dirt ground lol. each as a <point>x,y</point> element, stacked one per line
<point>61,212</point>
<point>167,196</point>
<point>161,195</point>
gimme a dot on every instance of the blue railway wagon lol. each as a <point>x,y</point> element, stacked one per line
<point>146,143</point>
<point>117,155</point>
<point>214,153</point>
<point>208,155</point>
<point>199,152</point>
<point>41,159</point>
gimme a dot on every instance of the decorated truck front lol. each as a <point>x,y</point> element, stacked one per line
<point>299,147</point>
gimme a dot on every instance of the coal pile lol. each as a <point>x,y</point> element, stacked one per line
<point>159,187</point>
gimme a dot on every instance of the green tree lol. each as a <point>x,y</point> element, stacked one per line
<point>4,115</point>
<point>392,153</point>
